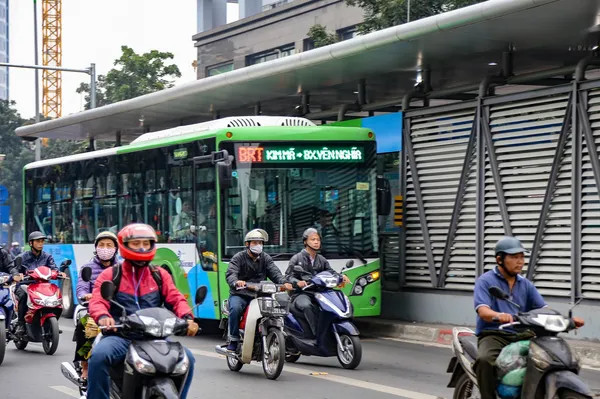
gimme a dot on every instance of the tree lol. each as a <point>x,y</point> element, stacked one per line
<point>134,75</point>
<point>380,14</point>
<point>320,37</point>
<point>17,154</point>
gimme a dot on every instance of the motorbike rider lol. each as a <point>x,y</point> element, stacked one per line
<point>137,289</point>
<point>314,263</point>
<point>15,249</point>
<point>6,261</point>
<point>105,255</point>
<point>32,259</point>
<point>491,313</point>
<point>250,265</point>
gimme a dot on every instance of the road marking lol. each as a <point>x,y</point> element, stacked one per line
<point>336,378</point>
<point>69,391</point>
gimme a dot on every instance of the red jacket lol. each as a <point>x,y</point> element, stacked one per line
<point>147,293</point>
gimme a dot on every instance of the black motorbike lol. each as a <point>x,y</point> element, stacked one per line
<point>154,367</point>
<point>552,368</point>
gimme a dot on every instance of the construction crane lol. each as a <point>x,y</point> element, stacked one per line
<point>52,56</point>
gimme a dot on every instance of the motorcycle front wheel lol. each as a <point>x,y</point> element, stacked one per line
<point>465,388</point>
<point>350,354</point>
<point>273,354</point>
<point>50,336</point>
<point>2,340</point>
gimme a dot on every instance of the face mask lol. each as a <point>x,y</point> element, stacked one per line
<point>106,253</point>
<point>256,249</point>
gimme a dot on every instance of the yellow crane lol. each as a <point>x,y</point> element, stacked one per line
<point>52,56</point>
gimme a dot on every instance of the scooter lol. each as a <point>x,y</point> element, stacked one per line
<point>261,330</point>
<point>44,301</point>
<point>6,311</point>
<point>552,368</point>
<point>336,334</point>
<point>154,367</point>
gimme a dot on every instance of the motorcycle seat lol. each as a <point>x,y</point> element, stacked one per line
<point>469,344</point>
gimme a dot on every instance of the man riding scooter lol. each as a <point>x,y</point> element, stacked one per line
<point>249,265</point>
<point>138,285</point>
<point>311,261</point>
<point>32,259</point>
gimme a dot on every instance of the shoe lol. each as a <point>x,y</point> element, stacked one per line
<point>20,330</point>
<point>232,346</point>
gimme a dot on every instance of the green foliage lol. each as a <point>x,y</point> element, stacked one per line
<point>380,14</point>
<point>134,75</point>
<point>320,37</point>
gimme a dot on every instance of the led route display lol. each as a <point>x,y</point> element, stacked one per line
<point>267,154</point>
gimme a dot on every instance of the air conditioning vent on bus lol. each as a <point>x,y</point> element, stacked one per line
<point>296,122</point>
<point>243,122</point>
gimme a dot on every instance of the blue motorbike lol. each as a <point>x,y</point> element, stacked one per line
<point>6,311</point>
<point>336,335</point>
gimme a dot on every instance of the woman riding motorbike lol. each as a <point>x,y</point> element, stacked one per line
<point>105,255</point>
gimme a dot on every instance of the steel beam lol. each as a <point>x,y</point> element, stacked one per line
<point>420,205</point>
<point>552,180</point>
<point>578,126</point>
<point>489,143</point>
<point>402,244</point>
<point>480,195</point>
<point>460,196</point>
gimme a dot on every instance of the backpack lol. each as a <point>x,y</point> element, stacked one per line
<point>117,274</point>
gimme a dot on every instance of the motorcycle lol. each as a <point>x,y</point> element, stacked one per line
<point>6,311</point>
<point>154,367</point>
<point>551,370</point>
<point>44,301</point>
<point>261,330</point>
<point>336,335</point>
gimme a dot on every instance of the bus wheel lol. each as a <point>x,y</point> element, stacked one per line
<point>67,298</point>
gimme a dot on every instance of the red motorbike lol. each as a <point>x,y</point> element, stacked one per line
<point>44,300</point>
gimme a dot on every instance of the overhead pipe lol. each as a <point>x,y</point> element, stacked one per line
<point>583,65</point>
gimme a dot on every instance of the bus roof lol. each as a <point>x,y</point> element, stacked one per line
<point>460,47</point>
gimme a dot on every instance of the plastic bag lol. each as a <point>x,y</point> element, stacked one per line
<point>514,378</point>
<point>512,357</point>
<point>508,392</point>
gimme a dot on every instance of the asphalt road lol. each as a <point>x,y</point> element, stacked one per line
<point>388,369</point>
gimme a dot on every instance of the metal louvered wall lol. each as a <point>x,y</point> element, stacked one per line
<point>499,166</point>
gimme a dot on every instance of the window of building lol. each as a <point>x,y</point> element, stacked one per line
<point>271,54</point>
<point>308,44</point>
<point>347,33</point>
<point>219,69</point>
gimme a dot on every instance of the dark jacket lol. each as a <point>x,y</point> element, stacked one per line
<point>6,262</point>
<point>30,261</point>
<point>302,258</point>
<point>147,293</point>
<point>86,287</point>
<point>243,267</point>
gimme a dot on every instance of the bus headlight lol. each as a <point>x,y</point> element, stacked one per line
<point>364,280</point>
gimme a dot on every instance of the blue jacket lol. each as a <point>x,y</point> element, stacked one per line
<point>30,261</point>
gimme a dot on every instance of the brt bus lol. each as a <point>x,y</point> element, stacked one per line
<point>203,186</point>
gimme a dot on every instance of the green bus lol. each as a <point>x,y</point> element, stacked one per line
<point>203,186</point>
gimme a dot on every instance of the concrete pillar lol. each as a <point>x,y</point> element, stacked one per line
<point>249,7</point>
<point>210,14</point>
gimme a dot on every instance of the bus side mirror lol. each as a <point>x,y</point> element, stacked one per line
<point>225,171</point>
<point>384,196</point>
<point>201,295</point>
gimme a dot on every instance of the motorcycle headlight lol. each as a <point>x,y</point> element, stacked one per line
<point>141,365</point>
<point>540,358</point>
<point>151,326</point>
<point>182,366</point>
<point>269,288</point>
<point>169,326</point>
<point>50,301</point>
<point>4,279</point>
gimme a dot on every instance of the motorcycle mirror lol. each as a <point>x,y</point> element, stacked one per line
<point>497,292</point>
<point>201,295</point>
<point>18,262</point>
<point>107,290</point>
<point>572,307</point>
<point>66,262</point>
<point>86,274</point>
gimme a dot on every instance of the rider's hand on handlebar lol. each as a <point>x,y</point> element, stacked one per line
<point>504,318</point>
<point>301,284</point>
<point>192,328</point>
<point>87,297</point>
<point>62,275</point>
<point>287,287</point>
<point>17,277</point>
<point>240,284</point>
<point>578,322</point>
<point>108,323</point>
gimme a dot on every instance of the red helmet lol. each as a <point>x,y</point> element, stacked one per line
<point>137,231</point>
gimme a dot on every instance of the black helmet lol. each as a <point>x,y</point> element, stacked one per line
<point>36,235</point>
<point>509,245</point>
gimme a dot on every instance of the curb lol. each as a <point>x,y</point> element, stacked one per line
<point>587,351</point>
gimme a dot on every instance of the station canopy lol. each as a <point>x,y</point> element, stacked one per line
<point>368,72</point>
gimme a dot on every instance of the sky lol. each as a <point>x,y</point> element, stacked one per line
<point>94,31</point>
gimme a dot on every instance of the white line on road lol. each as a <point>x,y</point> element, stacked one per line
<point>339,379</point>
<point>69,391</point>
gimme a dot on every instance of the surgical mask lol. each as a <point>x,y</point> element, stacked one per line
<point>106,253</point>
<point>256,249</point>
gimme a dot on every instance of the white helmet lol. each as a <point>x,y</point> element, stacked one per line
<point>257,235</point>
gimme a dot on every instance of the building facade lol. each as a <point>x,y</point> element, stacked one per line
<point>3,49</point>
<point>279,31</point>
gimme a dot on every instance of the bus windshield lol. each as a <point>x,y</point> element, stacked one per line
<point>284,189</point>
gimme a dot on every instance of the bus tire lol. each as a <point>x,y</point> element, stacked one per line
<point>67,299</point>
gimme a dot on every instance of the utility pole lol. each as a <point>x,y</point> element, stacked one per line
<point>408,11</point>
<point>38,142</point>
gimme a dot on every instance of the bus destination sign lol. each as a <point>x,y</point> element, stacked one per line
<point>266,154</point>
